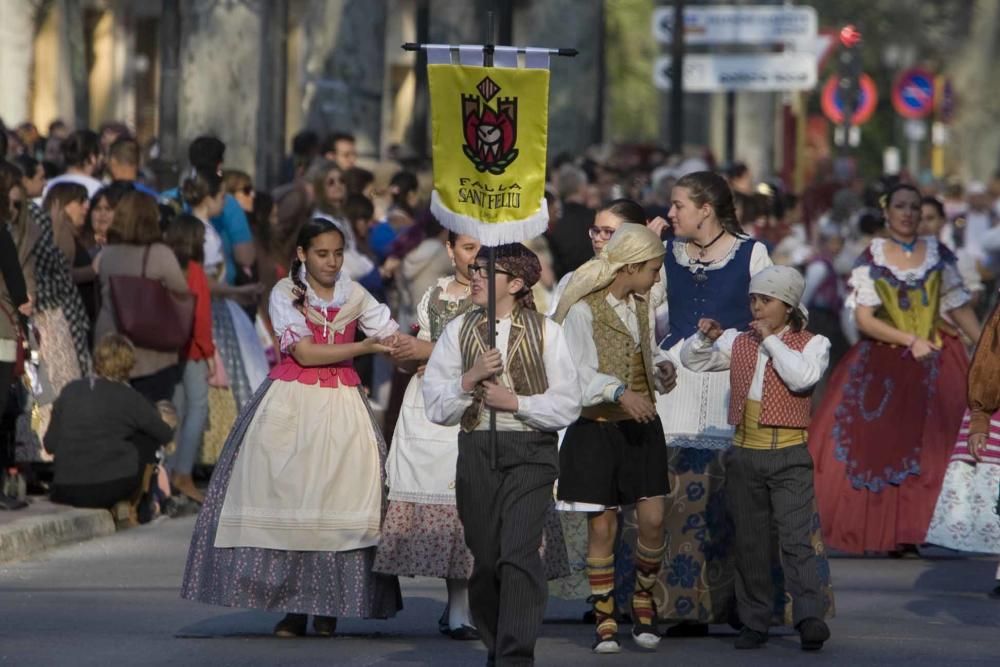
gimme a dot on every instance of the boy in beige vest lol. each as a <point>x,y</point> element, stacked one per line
<point>615,454</point>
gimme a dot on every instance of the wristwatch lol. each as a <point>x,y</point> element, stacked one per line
<point>619,392</point>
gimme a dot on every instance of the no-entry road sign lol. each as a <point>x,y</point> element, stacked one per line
<point>833,106</point>
<point>913,93</point>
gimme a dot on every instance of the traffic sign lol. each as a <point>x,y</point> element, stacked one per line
<point>913,93</point>
<point>833,106</point>
<point>738,24</point>
<point>713,73</point>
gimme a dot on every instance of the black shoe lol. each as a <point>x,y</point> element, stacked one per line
<point>687,629</point>
<point>292,625</point>
<point>905,551</point>
<point>995,593</point>
<point>325,626</point>
<point>812,633</point>
<point>464,633</point>
<point>750,639</point>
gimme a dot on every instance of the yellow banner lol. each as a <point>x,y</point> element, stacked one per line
<point>490,129</point>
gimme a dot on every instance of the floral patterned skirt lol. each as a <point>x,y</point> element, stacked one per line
<point>56,348</point>
<point>423,540</point>
<point>427,540</point>
<point>966,516</point>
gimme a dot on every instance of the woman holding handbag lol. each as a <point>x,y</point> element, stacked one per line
<point>135,249</point>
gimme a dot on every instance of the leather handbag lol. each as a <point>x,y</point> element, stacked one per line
<point>149,314</point>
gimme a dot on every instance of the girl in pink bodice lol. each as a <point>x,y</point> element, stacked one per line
<point>294,510</point>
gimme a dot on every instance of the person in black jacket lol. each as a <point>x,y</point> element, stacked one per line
<point>14,304</point>
<point>103,432</point>
<point>568,238</point>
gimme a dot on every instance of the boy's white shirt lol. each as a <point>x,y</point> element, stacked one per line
<point>800,371</point>
<point>559,406</point>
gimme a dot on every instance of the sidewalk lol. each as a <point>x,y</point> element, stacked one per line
<point>44,524</point>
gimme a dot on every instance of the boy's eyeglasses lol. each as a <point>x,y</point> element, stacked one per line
<point>482,270</point>
<point>247,190</point>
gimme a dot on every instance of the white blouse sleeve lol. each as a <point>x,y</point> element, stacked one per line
<point>559,405</point>
<point>953,292</point>
<point>578,327</point>
<point>862,288</point>
<point>800,371</point>
<point>376,320</point>
<point>699,354</point>
<point>288,321</point>
<point>759,259</point>
<point>423,315</point>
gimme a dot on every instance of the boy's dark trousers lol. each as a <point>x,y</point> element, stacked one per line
<point>765,488</point>
<point>503,514</point>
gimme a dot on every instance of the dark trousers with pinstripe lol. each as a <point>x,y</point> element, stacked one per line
<point>503,514</point>
<point>766,488</point>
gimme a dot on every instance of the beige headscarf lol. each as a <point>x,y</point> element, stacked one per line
<point>631,244</point>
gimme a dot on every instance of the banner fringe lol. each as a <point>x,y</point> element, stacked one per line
<point>492,233</point>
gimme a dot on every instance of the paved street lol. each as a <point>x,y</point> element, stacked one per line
<point>113,601</point>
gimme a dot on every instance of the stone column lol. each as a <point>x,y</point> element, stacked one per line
<point>220,76</point>
<point>342,55</point>
<point>17,30</point>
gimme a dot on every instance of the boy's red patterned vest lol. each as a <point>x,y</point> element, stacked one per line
<point>779,406</point>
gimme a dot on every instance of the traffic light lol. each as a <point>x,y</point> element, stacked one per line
<point>849,71</point>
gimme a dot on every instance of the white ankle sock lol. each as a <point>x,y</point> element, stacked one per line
<point>458,603</point>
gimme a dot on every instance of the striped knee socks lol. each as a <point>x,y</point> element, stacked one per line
<point>601,573</point>
<point>647,567</point>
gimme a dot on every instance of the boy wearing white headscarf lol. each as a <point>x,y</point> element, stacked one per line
<point>615,454</point>
<point>769,471</point>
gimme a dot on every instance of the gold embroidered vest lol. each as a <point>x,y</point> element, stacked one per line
<point>525,364</point>
<point>618,355</point>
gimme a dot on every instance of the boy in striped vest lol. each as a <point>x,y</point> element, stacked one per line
<point>503,490</point>
<point>769,472</point>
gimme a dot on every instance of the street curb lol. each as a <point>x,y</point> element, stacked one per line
<point>24,537</point>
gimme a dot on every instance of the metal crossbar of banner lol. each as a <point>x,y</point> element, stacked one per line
<point>488,49</point>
